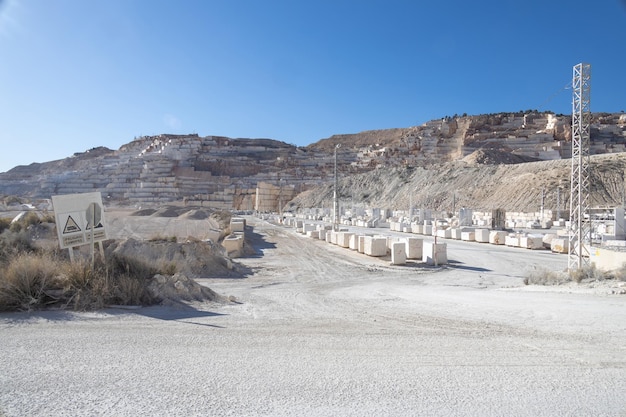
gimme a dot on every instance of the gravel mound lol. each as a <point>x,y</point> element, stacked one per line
<point>197,214</point>
<point>143,212</point>
<point>194,259</point>
<point>495,157</point>
<point>178,288</point>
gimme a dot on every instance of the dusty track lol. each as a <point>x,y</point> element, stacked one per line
<point>323,331</point>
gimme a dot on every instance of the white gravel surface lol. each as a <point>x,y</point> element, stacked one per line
<point>324,331</point>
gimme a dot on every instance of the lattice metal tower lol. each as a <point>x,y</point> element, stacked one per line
<point>580,232</point>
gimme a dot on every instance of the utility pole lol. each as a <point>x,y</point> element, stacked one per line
<point>558,203</point>
<point>542,201</point>
<point>579,199</point>
<point>280,199</point>
<point>453,203</point>
<point>335,204</point>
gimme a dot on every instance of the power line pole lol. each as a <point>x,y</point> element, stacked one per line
<point>335,204</point>
<point>579,198</point>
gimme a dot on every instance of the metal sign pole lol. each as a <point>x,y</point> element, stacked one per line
<point>92,208</point>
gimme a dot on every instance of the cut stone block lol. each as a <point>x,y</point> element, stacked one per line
<point>361,244</point>
<point>444,233</point>
<point>434,252</point>
<point>343,239</point>
<point>398,253</point>
<point>414,248</point>
<point>233,244</point>
<point>531,242</point>
<point>482,235</point>
<point>497,237</point>
<point>547,240</point>
<point>468,236</point>
<point>315,234</point>
<point>428,230</point>
<point>375,246</point>
<point>511,240</point>
<point>393,239</point>
<point>237,224</point>
<point>417,229</point>
<point>560,245</point>
<point>354,242</point>
<point>455,233</point>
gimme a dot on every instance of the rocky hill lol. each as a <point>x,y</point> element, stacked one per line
<point>516,187</point>
<point>264,174</point>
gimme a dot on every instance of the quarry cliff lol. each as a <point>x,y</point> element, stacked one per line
<point>264,174</point>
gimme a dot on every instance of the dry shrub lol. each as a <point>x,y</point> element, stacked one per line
<point>119,280</point>
<point>128,290</point>
<point>85,287</point>
<point>14,243</point>
<point>29,281</point>
<point>587,273</point>
<point>160,238</point>
<point>130,278</point>
<point>4,224</point>
<point>48,218</point>
<point>620,274</point>
<point>28,219</point>
<point>541,276</point>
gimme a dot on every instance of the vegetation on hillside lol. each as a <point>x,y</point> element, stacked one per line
<point>32,278</point>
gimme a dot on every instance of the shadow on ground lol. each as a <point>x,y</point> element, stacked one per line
<point>257,244</point>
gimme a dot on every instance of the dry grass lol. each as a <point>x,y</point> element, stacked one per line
<point>619,274</point>
<point>541,276</point>
<point>160,238</point>
<point>31,279</point>
<point>587,273</point>
<point>28,219</point>
<point>4,224</point>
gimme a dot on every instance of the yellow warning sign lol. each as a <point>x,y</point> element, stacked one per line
<point>70,226</point>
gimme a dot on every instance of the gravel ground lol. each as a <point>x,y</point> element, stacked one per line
<point>322,331</point>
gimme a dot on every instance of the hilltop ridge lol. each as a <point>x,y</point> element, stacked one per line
<point>264,173</point>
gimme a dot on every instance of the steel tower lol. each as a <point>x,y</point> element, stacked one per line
<point>580,227</point>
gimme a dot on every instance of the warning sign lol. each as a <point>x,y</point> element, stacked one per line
<point>75,213</point>
<point>70,226</point>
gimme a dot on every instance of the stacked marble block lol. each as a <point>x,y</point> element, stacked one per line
<point>234,242</point>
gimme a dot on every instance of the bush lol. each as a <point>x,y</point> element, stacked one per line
<point>4,224</point>
<point>29,281</point>
<point>159,238</point>
<point>14,243</point>
<point>542,276</point>
<point>48,218</point>
<point>620,274</point>
<point>28,219</point>
<point>587,273</point>
<point>120,280</point>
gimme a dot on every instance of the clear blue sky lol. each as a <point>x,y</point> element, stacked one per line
<point>76,74</point>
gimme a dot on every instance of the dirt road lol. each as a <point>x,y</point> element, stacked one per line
<point>323,331</point>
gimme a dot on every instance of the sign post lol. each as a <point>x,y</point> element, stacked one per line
<point>80,221</point>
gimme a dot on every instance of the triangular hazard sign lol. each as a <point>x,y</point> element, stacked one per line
<point>98,226</point>
<point>70,226</point>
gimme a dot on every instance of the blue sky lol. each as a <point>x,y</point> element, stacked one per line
<point>77,74</point>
